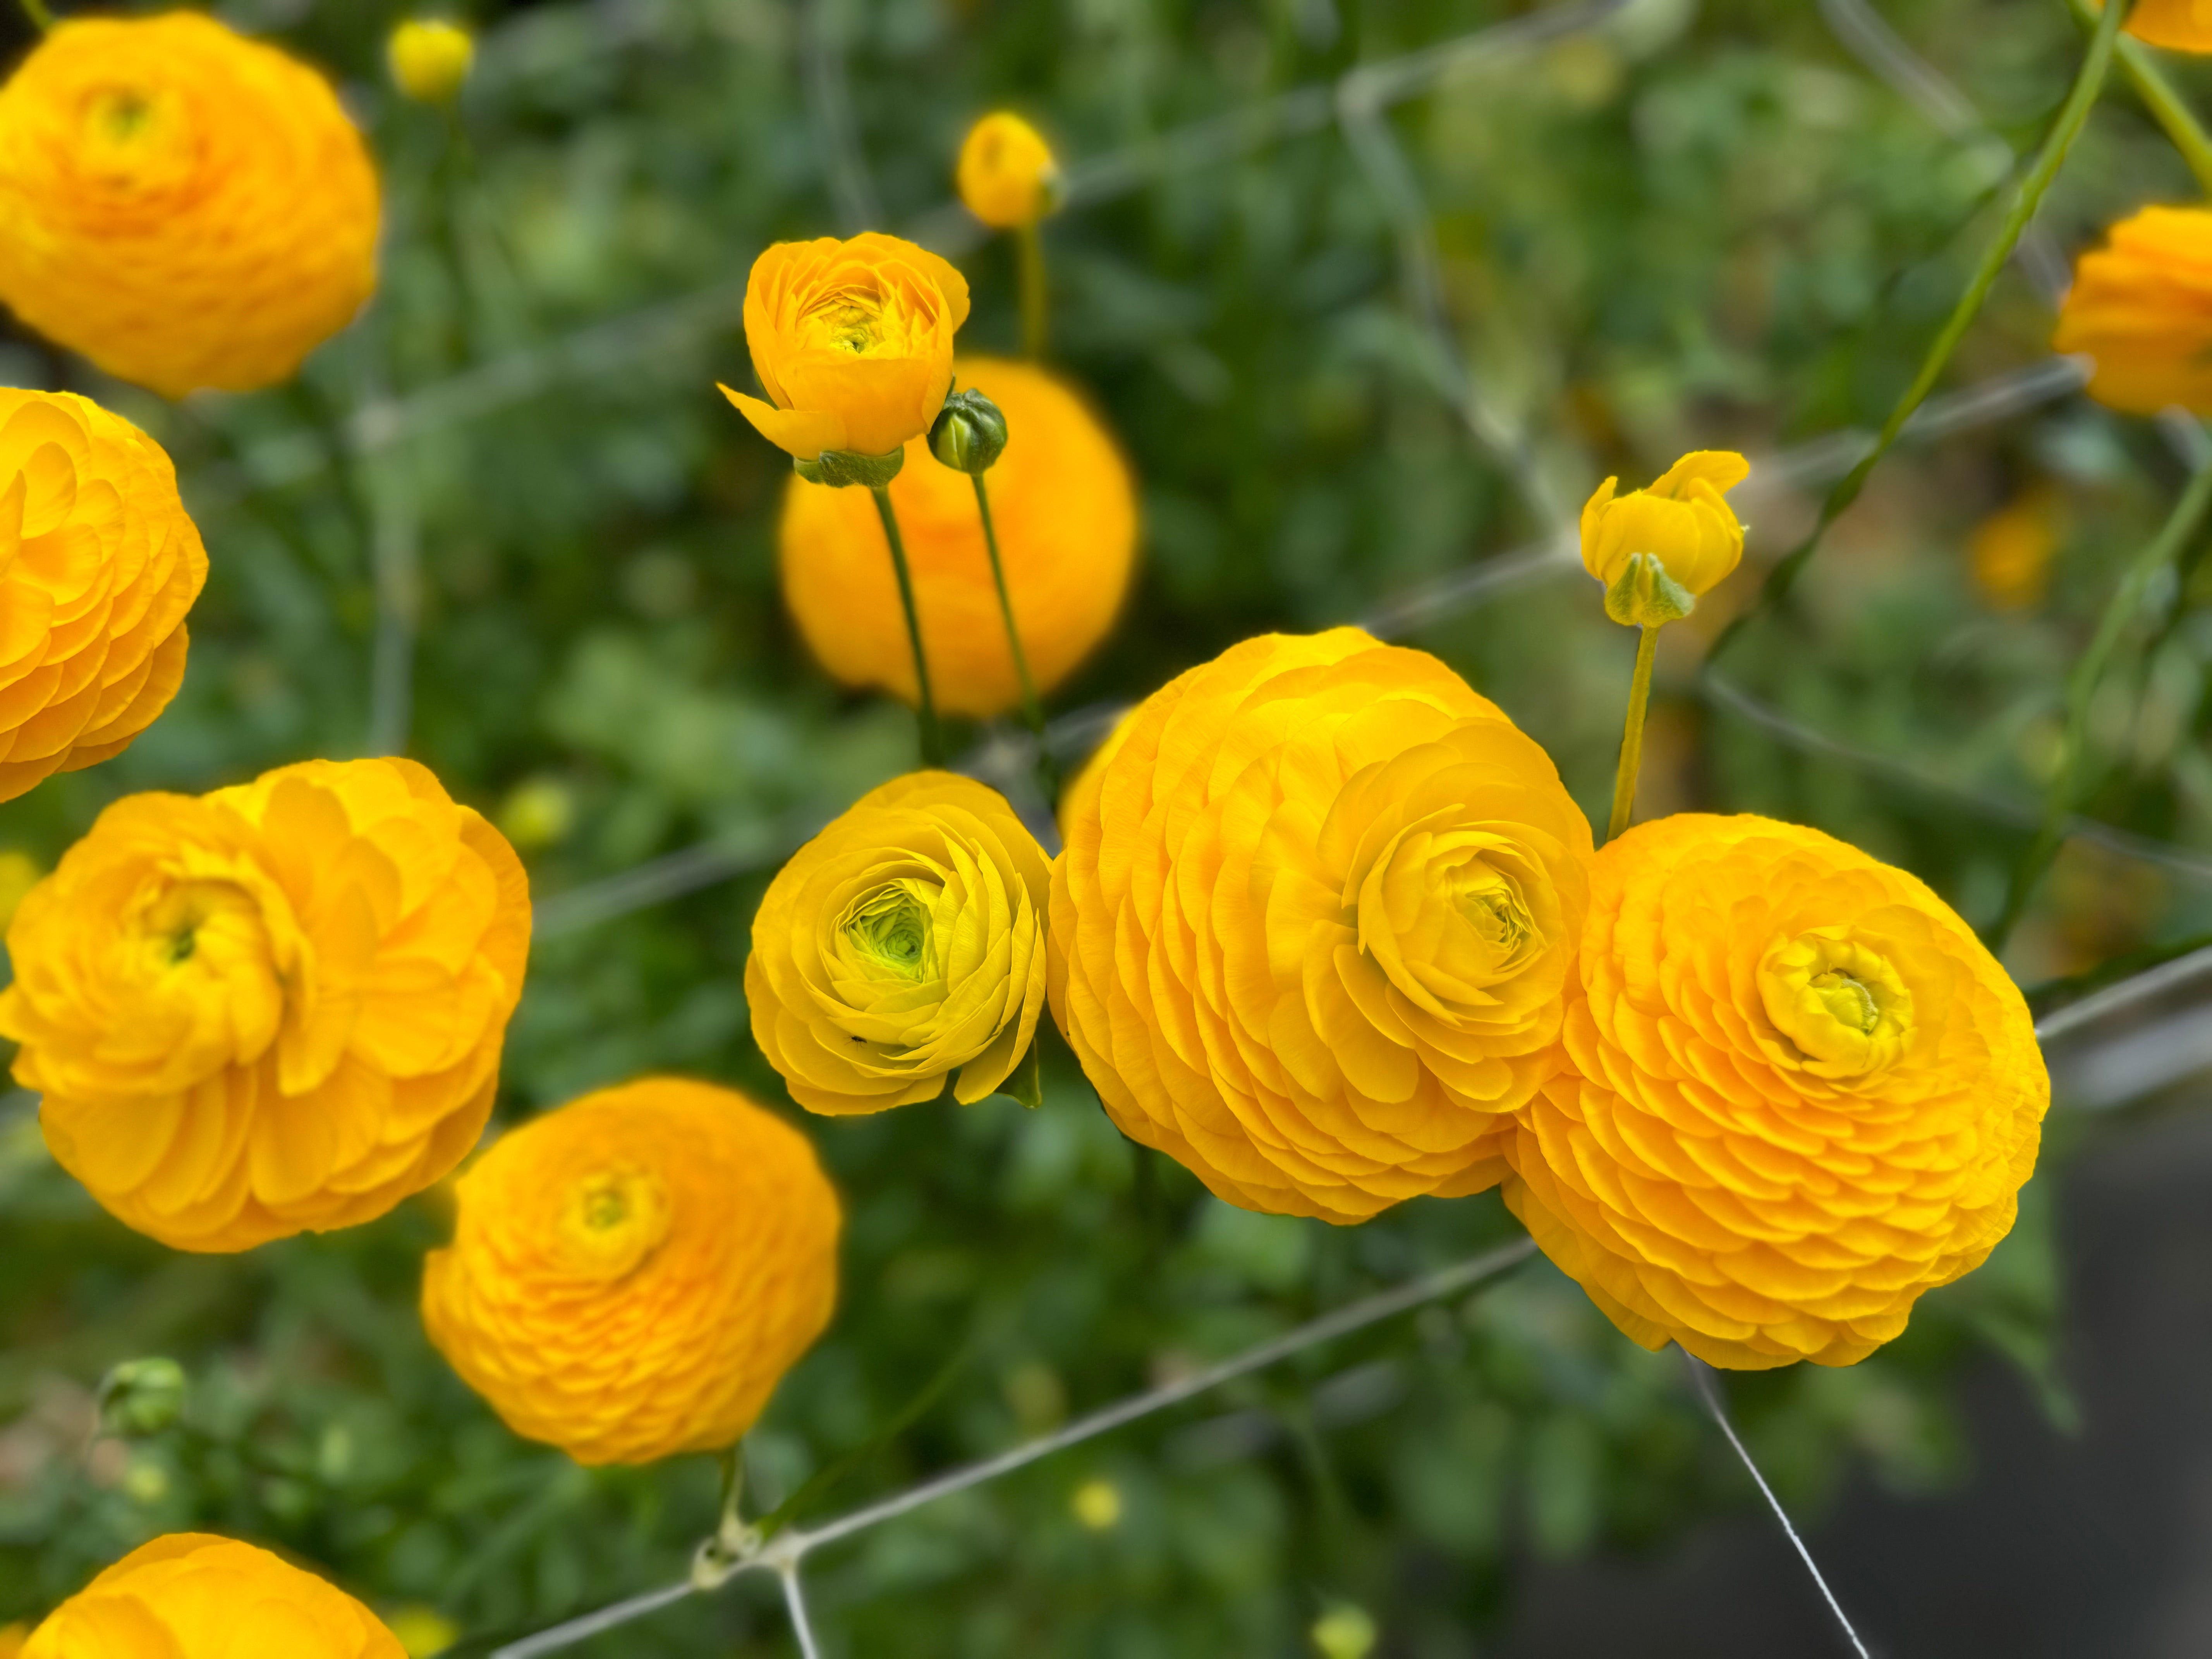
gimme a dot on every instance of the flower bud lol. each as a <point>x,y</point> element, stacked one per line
<point>1685,535</point>
<point>430,59</point>
<point>840,467</point>
<point>1006,175</point>
<point>1345,1632</point>
<point>971,434</point>
<point>142,1397</point>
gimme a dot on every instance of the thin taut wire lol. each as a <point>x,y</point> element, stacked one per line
<point>794,1602</point>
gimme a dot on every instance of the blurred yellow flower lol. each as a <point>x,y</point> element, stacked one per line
<point>430,58</point>
<point>1007,176</point>
<point>538,813</point>
<point>99,563</point>
<point>275,1008</point>
<point>1680,522</point>
<point>2177,25</point>
<point>1309,936</point>
<point>424,1632</point>
<point>1095,1504</point>
<point>185,207</point>
<point>189,1594</point>
<point>1799,1093</point>
<point>852,342</point>
<point>1345,1632</point>
<point>902,944</point>
<point>1066,509</point>
<point>19,873</point>
<point>631,1274</point>
<point>2141,307</point>
<point>12,1638</point>
<point>2010,551</point>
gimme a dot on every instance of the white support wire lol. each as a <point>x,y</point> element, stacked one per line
<point>794,1604</point>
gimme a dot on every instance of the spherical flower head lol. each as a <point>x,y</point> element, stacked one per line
<point>1007,176</point>
<point>99,563</point>
<point>191,1593</point>
<point>1658,549</point>
<point>1309,936</point>
<point>272,1009</point>
<point>631,1274</point>
<point>970,432</point>
<point>2177,25</point>
<point>1066,508</point>
<point>901,947</point>
<point>430,58</point>
<point>853,342</point>
<point>2140,308</point>
<point>185,207</point>
<point>1799,1093</point>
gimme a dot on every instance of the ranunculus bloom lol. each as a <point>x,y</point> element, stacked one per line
<point>190,1595</point>
<point>1800,1094</point>
<point>430,58</point>
<point>271,1009</point>
<point>2177,25</point>
<point>2141,307</point>
<point>1682,520</point>
<point>852,342</point>
<point>99,563</point>
<point>185,207</point>
<point>1006,175</point>
<point>902,945</point>
<point>1066,510</point>
<point>630,1275</point>
<point>1309,936</point>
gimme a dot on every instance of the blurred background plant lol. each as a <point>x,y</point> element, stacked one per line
<point>510,528</point>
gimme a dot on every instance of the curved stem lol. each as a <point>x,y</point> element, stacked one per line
<point>1033,292</point>
<point>1032,710</point>
<point>42,18</point>
<point>932,739</point>
<point>2166,105</point>
<point>1632,734</point>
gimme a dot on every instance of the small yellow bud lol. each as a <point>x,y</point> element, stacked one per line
<point>1345,1632</point>
<point>538,813</point>
<point>430,58</point>
<point>1097,1505</point>
<point>1689,535</point>
<point>2010,551</point>
<point>422,1631</point>
<point>19,874</point>
<point>1007,176</point>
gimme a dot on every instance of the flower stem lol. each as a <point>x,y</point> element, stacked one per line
<point>1632,734</point>
<point>2066,781</point>
<point>1032,710</point>
<point>2088,81</point>
<point>2167,107</point>
<point>1033,292</point>
<point>932,739</point>
<point>42,18</point>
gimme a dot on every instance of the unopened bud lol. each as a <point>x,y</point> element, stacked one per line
<point>430,59</point>
<point>971,434</point>
<point>141,1396</point>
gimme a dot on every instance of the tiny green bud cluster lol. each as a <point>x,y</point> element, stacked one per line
<point>142,1397</point>
<point>971,434</point>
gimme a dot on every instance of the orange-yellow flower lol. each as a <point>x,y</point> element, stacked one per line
<point>2177,25</point>
<point>185,207</point>
<point>902,945</point>
<point>271,1009</point>
<point>1310,937</point>
<point>191,1595</point>
<point>1800,1093</point>
<point>852,342</point>
<point>1682,522</point>
<point>1066,510</point>
<point>12,1638</point>
<point>1007,176</point>
<point>2141,307</point>
<point>99,563</point>
<point>631,1275</point>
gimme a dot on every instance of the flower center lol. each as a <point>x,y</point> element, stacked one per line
<point>890,931</point>
<point>612,1221</point>
<point>211,922</point>
<point>121,114</point>
<point>1493,907</point>
<point>1840,1004</point>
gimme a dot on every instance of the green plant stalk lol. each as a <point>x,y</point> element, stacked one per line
<point>1033,292</point>
<point>933,737</point>
<point>2088,82</point>
<point>445,180</point>
<point>2059,801</point>
<point>1032,710</point>
<point>42,18</point>
<point>1632,734</point>
<point>314,407</point>
<point>2167,107</point>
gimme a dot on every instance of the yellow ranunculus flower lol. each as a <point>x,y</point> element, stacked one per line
<point>1309,936</point>
<point>1006,175</point>
<point>189,1594</point>
<point>99,563</point>
<point>2177,25</point>
<point>1681,521</point>
<point>2141,307</point>
<point>903,944</point>
<point>185,207</point>
<point>1800,1093</point>
<point>852,342</point>
<point>1066,509</point>
<point>430,58</point>
<point>271,1009</point>
<point>631,1275</point>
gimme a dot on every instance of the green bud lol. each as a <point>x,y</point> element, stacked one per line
<point>142,1397</point>
<point>1644,595</point>
<point>840,467</point>
<point>971,434</point>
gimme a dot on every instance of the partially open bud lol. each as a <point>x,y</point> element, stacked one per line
<point>142,1397</point>
<point>971,434</point>
<point>840,467</point>
<point>1658,549</point>
<point>430,59</point>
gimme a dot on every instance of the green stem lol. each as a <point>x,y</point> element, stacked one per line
<point>316,408</point>
<point>1632,734</point>
<point>2166,105</point>
<point>1032,710</point>
<point>42,18</point>
<point>932,739</point>
<point>2065,790</point>
<point>1033,292</point>
<point>444,221</point>
<point>2088,82</point>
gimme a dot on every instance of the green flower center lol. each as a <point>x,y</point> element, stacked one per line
<point>892,930</point>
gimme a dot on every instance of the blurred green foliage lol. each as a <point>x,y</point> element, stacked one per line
<point>1696,225</point>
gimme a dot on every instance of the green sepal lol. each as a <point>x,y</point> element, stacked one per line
<point>1025,1082</point>
<point>1644,595</point>
<point>840,467</point>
